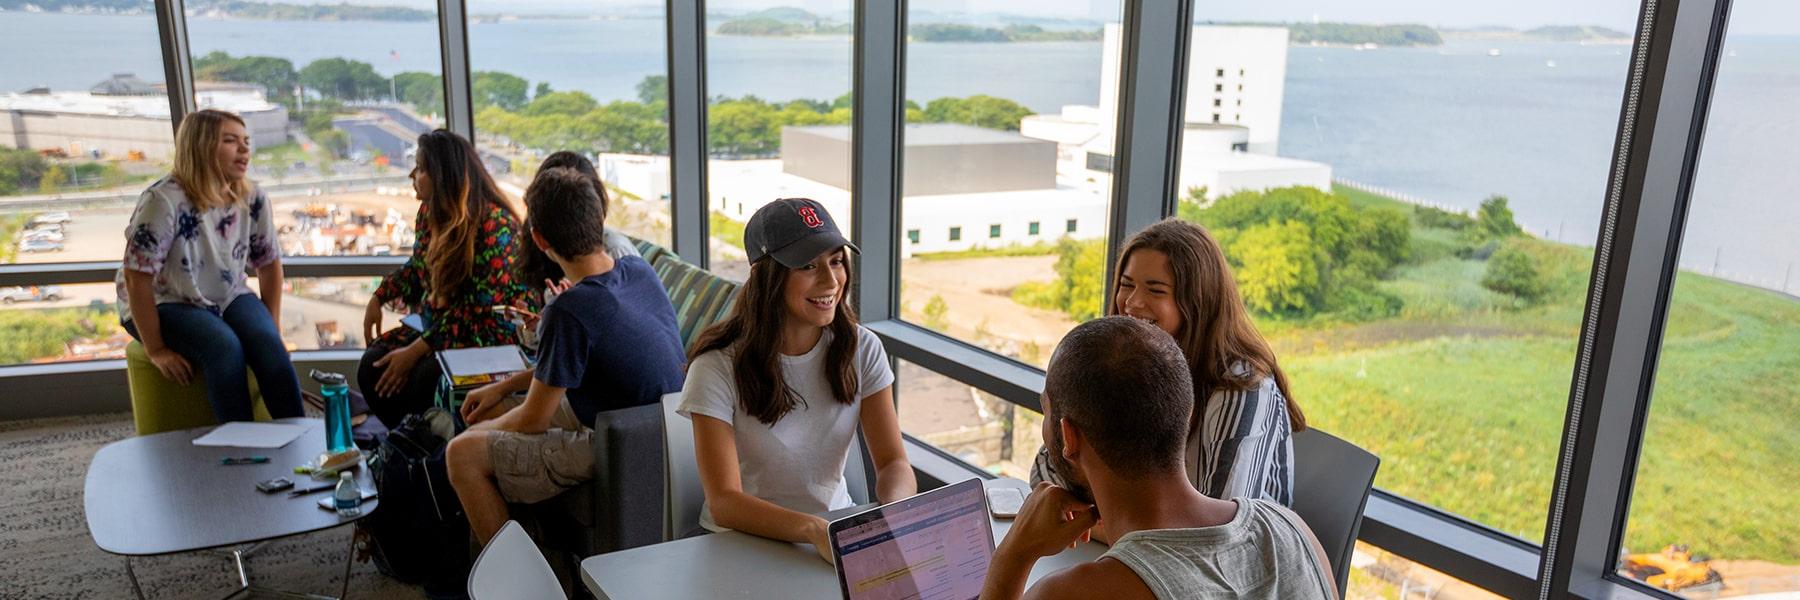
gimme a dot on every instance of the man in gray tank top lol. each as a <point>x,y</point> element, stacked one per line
<point>1116,401</point>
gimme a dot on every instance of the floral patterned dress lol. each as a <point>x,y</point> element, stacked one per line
<point>466,318</point>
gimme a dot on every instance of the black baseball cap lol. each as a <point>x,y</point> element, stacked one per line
<point>794,231</point>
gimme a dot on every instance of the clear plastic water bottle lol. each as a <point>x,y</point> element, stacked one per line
<point>348,497</point>
<point>337,410</point>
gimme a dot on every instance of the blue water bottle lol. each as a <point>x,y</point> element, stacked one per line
<point>337,410</point>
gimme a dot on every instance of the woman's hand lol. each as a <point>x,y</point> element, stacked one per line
<point>818,532</point>
<point>552,289</point>
<point>372,321</point>
<point>172,365</point>
<point>397,367</point>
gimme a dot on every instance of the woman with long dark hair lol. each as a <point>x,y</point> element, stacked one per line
<point>1174,275</point>
<point>778,389</point>
<point>461,267</point>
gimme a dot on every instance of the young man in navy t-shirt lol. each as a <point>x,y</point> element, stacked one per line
<point>608,342</point>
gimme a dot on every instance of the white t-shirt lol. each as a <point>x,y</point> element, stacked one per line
<point>797,463</point>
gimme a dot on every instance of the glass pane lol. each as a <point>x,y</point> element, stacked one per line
<point>84,125</point>
<point>1409,212</point>
<point>778,115</point>
<point>58,323</point>
<point>590,78</point>
<point>973,425</point>
<point>1377,573</point>
<point>1010,124</point>
<point>64,323</point>
<point>335,96</point>
<point>1713,510</point>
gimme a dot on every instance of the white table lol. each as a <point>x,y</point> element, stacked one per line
<point>739,565</point>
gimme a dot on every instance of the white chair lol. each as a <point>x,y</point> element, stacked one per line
<point>683,492</point>
<point>511,567</point>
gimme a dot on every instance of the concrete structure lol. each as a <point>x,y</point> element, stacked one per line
<point>1233,116</point>
<point>940,159</point>
<point>953,222</point>
<point>1236,75</point>
<point>966,187</point>
<point>123,115</point>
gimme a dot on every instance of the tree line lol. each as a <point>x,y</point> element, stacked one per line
<point>1302,253</point>
<point>541,117</point>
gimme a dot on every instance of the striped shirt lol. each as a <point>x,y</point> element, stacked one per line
<point>1240,445</point>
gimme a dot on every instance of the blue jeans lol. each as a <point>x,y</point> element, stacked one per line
<point>220,346</point>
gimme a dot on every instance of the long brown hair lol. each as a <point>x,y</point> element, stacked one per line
<point>753,331</point>
<point>462,193</point>
<point>196,141</point>
<point>1216,333</point>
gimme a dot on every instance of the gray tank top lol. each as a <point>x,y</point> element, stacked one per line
<point>1261,553</point>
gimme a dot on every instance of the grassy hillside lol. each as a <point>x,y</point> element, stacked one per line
<point>1464,395</point>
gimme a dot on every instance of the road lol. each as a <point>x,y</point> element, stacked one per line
<point>376,135</point>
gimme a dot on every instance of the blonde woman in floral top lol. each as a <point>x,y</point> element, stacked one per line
<point>183,288</point>
<point>462,266</point>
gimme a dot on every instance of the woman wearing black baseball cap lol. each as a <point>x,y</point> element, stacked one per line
<point>776,390</point>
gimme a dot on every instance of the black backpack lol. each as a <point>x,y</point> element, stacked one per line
<point>418,534</point>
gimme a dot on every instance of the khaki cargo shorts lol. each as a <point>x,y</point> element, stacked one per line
<point>531,468</point>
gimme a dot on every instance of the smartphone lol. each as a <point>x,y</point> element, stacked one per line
<point>274,485</point>
<point>1005,502</point>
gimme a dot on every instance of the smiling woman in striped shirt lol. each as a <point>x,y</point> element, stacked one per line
<point>1240,443</point>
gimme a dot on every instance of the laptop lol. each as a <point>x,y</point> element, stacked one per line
<point>933,546</point>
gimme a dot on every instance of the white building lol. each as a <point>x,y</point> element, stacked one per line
<point>965,187</point>
<point>123,115</point>
<point>1233,116</point>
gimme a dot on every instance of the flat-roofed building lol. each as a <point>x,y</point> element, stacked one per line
<point>123,115</point>
<point>941,158</point>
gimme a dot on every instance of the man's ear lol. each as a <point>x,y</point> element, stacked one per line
<point>1073,443</point>
<point>538,238</point>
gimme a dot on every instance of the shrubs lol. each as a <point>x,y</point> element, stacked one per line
<point>1494,220</point>
<point>1278,267</point>
<point>1513,271</point>
<point>937,314</point>
<point>1079,285</point>
<point>1302,252</point>
<point>1438,218</point>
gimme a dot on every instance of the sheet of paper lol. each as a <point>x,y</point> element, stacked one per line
<point>464,362</point>
<point>251,435</point>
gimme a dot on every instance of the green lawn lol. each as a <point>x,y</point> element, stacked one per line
<point>1464,394</point>
<point>725,229</point>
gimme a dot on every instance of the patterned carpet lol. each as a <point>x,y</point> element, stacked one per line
<point>48,553</point>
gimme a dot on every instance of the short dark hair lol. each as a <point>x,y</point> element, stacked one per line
<point>571,160</point>
<point>561,206</point>
<point>1125,385</point>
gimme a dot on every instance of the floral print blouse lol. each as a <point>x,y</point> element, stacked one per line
<point>196,256</point>
<point>466,319</point>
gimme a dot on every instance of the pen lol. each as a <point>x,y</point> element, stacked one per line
<point>247,460</point>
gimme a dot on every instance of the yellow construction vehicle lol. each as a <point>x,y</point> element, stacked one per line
<point>1673,569</point>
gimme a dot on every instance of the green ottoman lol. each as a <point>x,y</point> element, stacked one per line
<point>158,404</point>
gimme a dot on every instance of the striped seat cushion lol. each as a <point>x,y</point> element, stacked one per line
<point>700,298</point>
<point>650,250</point>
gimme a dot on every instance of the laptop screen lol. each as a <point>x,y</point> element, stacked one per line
<point>933,546</point>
